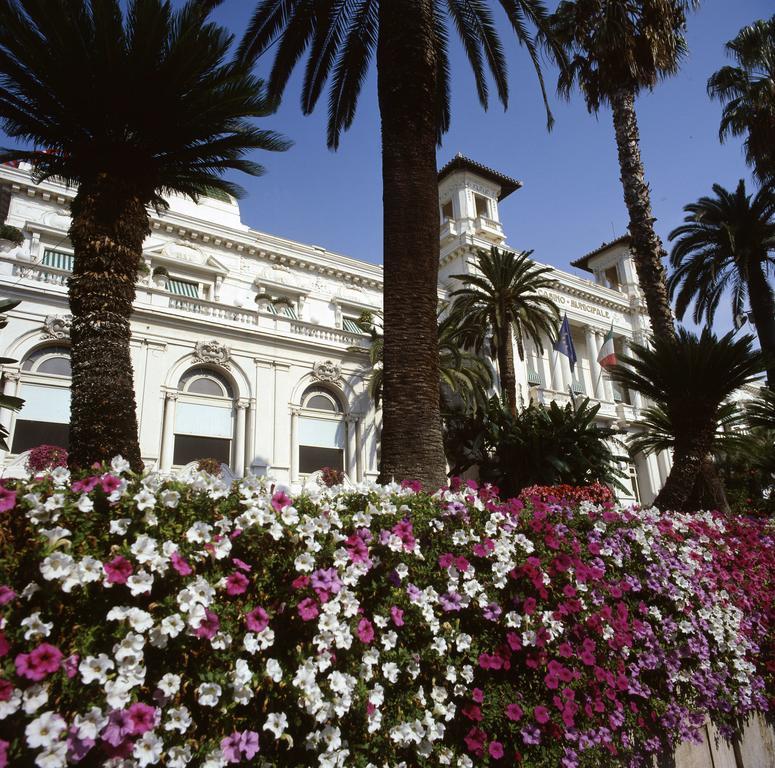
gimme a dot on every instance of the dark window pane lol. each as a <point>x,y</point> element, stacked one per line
<point>190,448</point>
<point>31,434</point>
<point>312,458</point>
<point>40,352</point>
<point>206,387</point>
<point>193,373</point>
<point>60,366</point>
<point>321,403</point>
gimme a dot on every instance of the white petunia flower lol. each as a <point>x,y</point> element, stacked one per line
<point>34,698</point>
<point>170,499</point>
<point>85,504</point>
<point>140,583</point>
<point>120,526</point>
<point>178,719</point>
<point>208,694</point>
<point>95,668</point>
<point>35,627</point>
<point>45,730</point>
<point>169,685</point>
<point>274,670</point>
<point>178,757</point>
<point>54,756</point>
<point>148,749</point>
<point>120,465</point>
<point>276,723</point>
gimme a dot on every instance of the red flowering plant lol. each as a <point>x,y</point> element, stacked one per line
<point>595,493</point>
<point>45,457</point>
<point>185,621</point>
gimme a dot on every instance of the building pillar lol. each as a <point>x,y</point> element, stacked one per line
<point>566,374</point>
<point>608,391</point>
<point>7,416</point>
<point>546,369</point>
<point>593,350</point>
<point>557,375</point>
<point>635,397</point>
<point>283,450</point>
<point>655,482</point>
<point>239,440</point>
<point>168,432</point>
<point>351,450</point>
<point>294,463</point>
<point>663,463</point>
<point>250,437</point>
<point>358,450</point>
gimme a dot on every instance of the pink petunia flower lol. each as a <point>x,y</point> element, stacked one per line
<point>365,631</point>
<point>209,625</point>
<point>514,712</point>
<point>496,750</point>
<point>236,584</point>
<point>180,564</point>
<point>397,615</point>
<point>308,609</point>
<point>280,500</point>
<point>143,717</point>
<point>541,715</point>
<point>118,570</point>
<point>248,744</point>
<point>110,483</point>
<point>6,594</point>
<point>4,745</point>
<point>243,566</point>
<point>257,620</point>
<point>7,499</point>
<point>230,747</point>
<point>70,665</point>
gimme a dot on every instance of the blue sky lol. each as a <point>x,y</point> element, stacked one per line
<point>571,200</point>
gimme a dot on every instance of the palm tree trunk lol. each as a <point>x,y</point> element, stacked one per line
<point>507,373</point>
<point>763,309</point>
<point>412,446</point>
<point>108,228</point>
<point>689,456</point>
<point>646,245</point>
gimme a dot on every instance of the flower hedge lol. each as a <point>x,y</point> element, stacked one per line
<point>148,621</point>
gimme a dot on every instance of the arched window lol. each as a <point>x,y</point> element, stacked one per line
<point>204,417</point>
<point>321,430</point>
<point>45,388</point>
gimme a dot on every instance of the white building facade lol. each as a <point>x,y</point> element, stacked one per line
<point>243,342</point>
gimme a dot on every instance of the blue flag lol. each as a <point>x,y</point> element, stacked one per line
<point>564,343</point>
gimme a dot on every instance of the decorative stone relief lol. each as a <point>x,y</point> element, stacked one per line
<point>326,370</point>
<point>212,352</point>
<point>57,327</point>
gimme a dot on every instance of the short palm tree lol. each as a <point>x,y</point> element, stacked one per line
<point>504,300</point>
<point>408,39</point>
<point>747,92</point>
<point>689,379</point>
<point>618,48</point>
<point>127,108</point>
<point>727,245</point>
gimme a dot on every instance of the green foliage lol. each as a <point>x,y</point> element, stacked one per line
<point>722,240</point>
<point>614,45</point>
<point>139,92</point>
<point>689,380</point>
<point>505,295</point>
<point>7,401</point>
<point>539,445</point>
<point>13,234</point>
<point>748,96</point>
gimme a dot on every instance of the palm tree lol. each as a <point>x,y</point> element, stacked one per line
<point>409,40</point>
<point>727,244</point>
<point>504,299</point>
<point>617,48</point>
<point>748,94</point>
<point>689,379</point>
<point>462,374</point>
<point>127,108</point>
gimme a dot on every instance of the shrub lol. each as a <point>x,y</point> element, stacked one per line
<point>193,621</point>
<point>211,466</point>
<point>13,234</point>
<point>331,477</point>
<point>46,457</point>
<point>569,494</point>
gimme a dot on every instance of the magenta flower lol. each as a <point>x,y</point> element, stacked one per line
<point>143,718</point>
<point>5,646</point>
<point>365,631</point>
<point>477,695</point>
<point>209,625</point>
<point>308,609</point>
<point>541,715</point>
<point>474,740</point>
<point>7,499</point>
<point>77,748</point>
<point>397,615</point>
<point>248,744</point>
<point>40,663</point>
<point>180,564</point>
<point>110,483</point>
<point>496,750</point>
<point>70,665</point>
<point>514,712</point>
<point>280,500</point>
<point>236,584</point>
<point>6,690</point>
<point>257,620</point>
<point>86,485</point>
<point>450,601</point>
<point>4,753</point>
<point>6,594</point>
<point>118,570</point>
<point>242,565</point>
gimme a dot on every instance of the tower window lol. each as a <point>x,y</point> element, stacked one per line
<point>446,211</point>
<point>482,206</point>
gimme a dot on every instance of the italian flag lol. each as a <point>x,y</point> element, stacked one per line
<point>607,356</point>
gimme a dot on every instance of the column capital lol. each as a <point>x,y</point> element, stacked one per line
<point>295,410</point>
<point>172,396</point>
<point>242,405</point>
<point>12,375</point>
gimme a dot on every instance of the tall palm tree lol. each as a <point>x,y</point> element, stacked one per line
<point>617,48</point>
<point>127,108</point>
<point>462,374</point>
<point>409,41</point>
<point>727,244</point>
<point>747,92</point>
<point>504,299</point>
<point>689,379</point>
